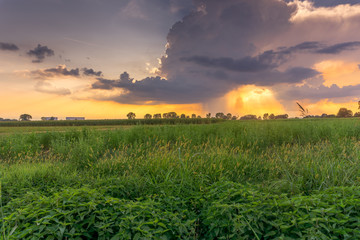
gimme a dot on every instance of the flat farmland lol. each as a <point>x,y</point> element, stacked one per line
<point>276,179</point>
<point>39,129</point>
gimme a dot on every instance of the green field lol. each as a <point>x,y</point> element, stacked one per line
<point>281,179</point>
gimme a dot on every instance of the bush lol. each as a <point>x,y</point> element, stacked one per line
<point>237,212</point>
<point>87,214</point>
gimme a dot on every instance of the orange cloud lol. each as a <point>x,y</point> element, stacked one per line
<point>252,99</point>
<point>339,72</point>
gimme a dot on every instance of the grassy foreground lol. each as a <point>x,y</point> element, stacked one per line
<point>233,180</point>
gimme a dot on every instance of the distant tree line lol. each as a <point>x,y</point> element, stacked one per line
<point>173,115</point>
<point>342,113</point>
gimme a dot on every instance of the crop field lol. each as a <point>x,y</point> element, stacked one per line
<point>275,179</point>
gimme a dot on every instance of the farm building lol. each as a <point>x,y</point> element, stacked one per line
<point>49,118</point>
<point>75,118</point>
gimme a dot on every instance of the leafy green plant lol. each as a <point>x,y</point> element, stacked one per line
<point>234,180</point>
<point>87,214</point>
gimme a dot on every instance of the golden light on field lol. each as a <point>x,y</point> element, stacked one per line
<point>339,72</point>
<point>252,99</point>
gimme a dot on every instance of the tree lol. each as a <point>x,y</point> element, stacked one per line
<point>357,114</point>
<point>147,116</point>
<point>131,115</point>
<point>198,116</point>
<point>228,116</point>
<point>183,116</point>
<point>25,117</point>
<point>219,115</point>
<point>249,117</point>
<point>208,115</point>
<point>193,115</point>
<point>266,116</point>
<point>272,116</point>
<point>344,112</point>
<point>284,116</point>
<point>165,115</point>
<point>234,118</point>
<point>157,116</point>
<point>172,115</point>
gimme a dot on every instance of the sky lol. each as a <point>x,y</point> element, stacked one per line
<point>101,59</point>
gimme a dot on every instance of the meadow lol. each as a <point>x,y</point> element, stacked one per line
<point>273,179</point>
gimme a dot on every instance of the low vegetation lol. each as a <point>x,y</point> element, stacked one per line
<point>275,179</point>
<point>114,122</point>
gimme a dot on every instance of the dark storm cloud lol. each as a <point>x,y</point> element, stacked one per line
<point>191,77</point>
<point>40,52</point>
<point>328,3</point>
<point>154,90</point>
<point>305,46</point>
<point>247,64</point>
<point>265,61</point>
<point>158,90</point>
<point>8,46</point>
<point>91,72</point>
<point>338,48</point>
<point>226,44</point>
<point>58,71</point>
<point>270,59</point>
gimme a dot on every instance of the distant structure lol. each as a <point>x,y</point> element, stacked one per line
<point>49,118</point>
<point>74,118</point>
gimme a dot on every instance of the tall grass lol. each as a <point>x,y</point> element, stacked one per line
<point>111,122</point>
<point>179,167</point>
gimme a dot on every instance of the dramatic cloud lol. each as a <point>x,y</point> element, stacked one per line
<point>329,3</point>
<point>91,72</point>
<point>270,59</point>
<point>220,46</point>
<point>204,61</point>
<point>267,60</point>
<point>60,70</point>
<point>226,44</point>
<point>40,52</point>
<point>338,48</point>
<point>155,90</point>
<point>8,46</point>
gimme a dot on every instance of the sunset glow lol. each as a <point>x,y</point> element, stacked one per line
<point>339,72</point>
<point>253,100</point>
<point>105,59</point>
